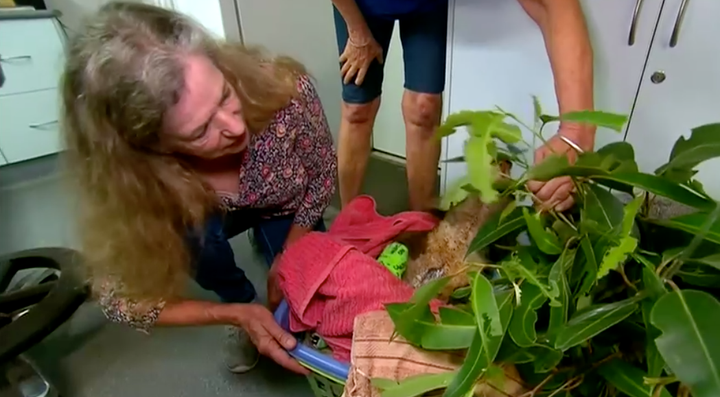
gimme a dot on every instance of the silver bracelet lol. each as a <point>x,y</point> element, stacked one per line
<point>572,144</point>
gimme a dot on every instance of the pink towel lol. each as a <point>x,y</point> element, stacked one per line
<point>330,278</point>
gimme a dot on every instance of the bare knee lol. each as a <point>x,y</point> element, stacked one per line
<point>422,110</point>
<point>360,113</point>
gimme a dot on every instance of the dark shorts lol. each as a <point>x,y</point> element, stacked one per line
<point>214,265</point>
<point>424,41</point>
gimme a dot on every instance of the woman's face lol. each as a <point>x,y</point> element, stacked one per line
<point>207,121</point>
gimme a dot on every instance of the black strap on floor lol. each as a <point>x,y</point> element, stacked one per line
<point>49,304</point>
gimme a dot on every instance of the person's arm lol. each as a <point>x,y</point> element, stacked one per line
<point>563,27</point>
<point>269,338</point>
<point>144,315</point>
<point>353,17</point>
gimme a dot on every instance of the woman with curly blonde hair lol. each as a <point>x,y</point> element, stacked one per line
<point>178,142</point>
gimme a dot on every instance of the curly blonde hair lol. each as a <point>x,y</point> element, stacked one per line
<point>139,204</point>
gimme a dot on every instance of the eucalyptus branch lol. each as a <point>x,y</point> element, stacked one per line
<point>539,387</point>
<point>566,220</point>
<point>661,381</point>
<point>621,270</point>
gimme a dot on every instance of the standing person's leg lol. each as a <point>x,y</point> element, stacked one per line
<point>424,40</point>
<point>359,108</point>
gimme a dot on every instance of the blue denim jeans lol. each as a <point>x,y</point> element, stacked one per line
<point>214,265</point>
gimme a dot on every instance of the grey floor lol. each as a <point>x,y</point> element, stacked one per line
<point>89,356</point>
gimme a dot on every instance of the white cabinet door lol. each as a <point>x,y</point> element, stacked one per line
<point>497,57</point>
<point>29,125</point>
<point>31,55</point>
<point>689,96</point>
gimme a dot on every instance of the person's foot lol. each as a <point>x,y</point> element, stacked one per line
<point>241,355</point>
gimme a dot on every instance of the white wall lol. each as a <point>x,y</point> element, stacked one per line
<point>205,11</point>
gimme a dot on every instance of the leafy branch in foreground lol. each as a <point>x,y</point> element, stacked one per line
<point>603,300</point>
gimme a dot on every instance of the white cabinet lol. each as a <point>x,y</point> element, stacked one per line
<point>689,95</point>
<point>31,57</point>
<point>497,57</point>
<point>30,125</point>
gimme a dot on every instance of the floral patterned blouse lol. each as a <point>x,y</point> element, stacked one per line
<point>290,167</point>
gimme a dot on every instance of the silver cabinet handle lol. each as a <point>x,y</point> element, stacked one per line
<point>633,23</point>
<point>15,58</point>
<point>678,22</point>
<point>41,125</point>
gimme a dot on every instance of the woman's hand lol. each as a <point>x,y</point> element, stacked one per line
<point>557,193</point>
<point>360,50</point>
<point>269,338</point>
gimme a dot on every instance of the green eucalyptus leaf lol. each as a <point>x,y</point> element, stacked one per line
<point>690,343</point>
<point>599,118</point>
<point>419,385</point>
<point>710,260</point>
<point>481,170</point>
<point>485,307</point>
<point>482,351</point>
<point>552,166</point>
<point>537,113</point>
<point>693,224</point>
<point>455,195</point>
<point>511,353</point>
<point>495,377</point>
<point>655,289</point>
<point>699,275</point>
<point>453,316</point>
<point>423,295</point>
<point>564,231</point>
<point>659,186</point>
<point>453,121</point>
<point>627,379</point>
<point>617,255</point>
<point>446,336</point>
<point>383,383</point>
<point>621,151</point>
<point>461,293</point>
<point>594,320</point>
<point>547,241</point>
<point>558,279</point>
<point>509,209</point>
<point>630,212</point>
<point>546,358</point>
<point>522,325</point>
<point>590,267</point>
<point>523,266</point>
<point>602,207</point>
<point>495,229</point>
<point>647,182</point>
<point>406,316</point>
<point>703,145</point>
<point>506,132</point>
